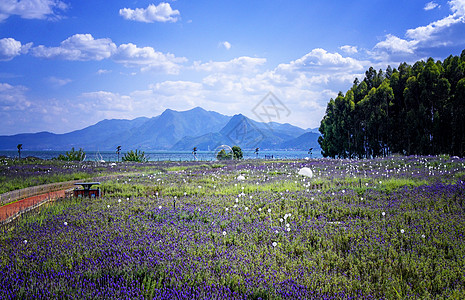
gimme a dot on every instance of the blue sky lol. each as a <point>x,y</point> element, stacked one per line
<point>65,65</point>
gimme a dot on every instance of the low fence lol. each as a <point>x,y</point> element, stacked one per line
<point>9,216</point>
<point>46,188</point>
<point>34,191</point>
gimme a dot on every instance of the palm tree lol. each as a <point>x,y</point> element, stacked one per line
<point>20,147</point>
<point>118,151</point>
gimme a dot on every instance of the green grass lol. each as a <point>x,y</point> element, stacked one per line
<point>15,183</point>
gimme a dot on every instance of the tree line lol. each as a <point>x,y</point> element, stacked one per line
<point>411,110</point>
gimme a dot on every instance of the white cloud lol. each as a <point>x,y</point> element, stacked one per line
<point>322,61</point>
<point>226,45</point>
<point>426,33</point>
<point>445,31</point>
<point>84,47</point>
<point>148,58</point>
<point>31,9</point>
<point>457,7</point>
<point>431,5</point>
<point>78,47</point>
<point>159,13</point>
<point>240,64</point>
<point>103,71</point>
<point>349,49</point>
<point>58,82</point>
<point>105,101</point>
<point>303,85</point>
<point>10,48</point>
<point>13,98</point>
<point>397,45</point>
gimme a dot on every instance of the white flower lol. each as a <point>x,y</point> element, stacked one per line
<point>159,207</point>
<point>25,241</point>
<point>250,197</point>
<point>235,205</point>
<point>269,210</point>
<point>108,205</point>
<point>65,223</point>
<point>237,200</point>
<point>423,236</point>
<point>288,225</point>
<point>199,186</point>
<point>288,229</point>
<point>383,213</point>
<point>246,208</point>
<point>224,232</point>
<point>227,208</point>
<point>119,200</point>
<point>276,231</point>
<point>127,199</point>
<point>260,209</point>
<point>281,220</point>
<point>402,231</point>
<point>275,244</point>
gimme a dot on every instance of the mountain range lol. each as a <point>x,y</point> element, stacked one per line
<point>172,130</point>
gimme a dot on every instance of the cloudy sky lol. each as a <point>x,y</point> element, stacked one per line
<point>67,64</point>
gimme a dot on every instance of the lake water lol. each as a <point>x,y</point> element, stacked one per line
<point>167,155</point>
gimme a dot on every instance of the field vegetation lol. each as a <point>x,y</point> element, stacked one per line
<point>390,228</point>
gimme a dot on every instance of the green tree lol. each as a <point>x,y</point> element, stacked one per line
<point>73,155</point>
<point>417,109</point>
<point>458,120</point>
<point>20,147</point>
<point>223,155</point>
<point>135,156</point>
<point>237,152</point>
<point>118,151</point>
<point>327,140</point>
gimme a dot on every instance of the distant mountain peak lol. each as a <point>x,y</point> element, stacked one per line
<point>174,130</point>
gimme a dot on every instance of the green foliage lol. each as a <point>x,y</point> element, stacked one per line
<point>135,156</point>
<point>20,147</point>
<point>237,151</point>
<point>410,110</point>
<point>235,154</point>
<point>222,155</point>
<point>73,155</point>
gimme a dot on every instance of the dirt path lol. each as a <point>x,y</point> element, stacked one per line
<point>11,209</point>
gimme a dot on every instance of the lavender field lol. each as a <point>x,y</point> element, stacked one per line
<point>388,228</point>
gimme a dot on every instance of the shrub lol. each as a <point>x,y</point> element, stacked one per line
<point>73,155</point>
<point>136,156</point>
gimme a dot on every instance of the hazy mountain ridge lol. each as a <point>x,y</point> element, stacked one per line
<point>172,130</point>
